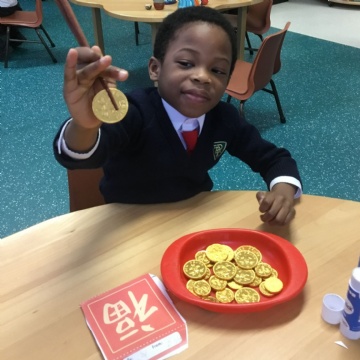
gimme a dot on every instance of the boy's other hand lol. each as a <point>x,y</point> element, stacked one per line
<point>277,206</point>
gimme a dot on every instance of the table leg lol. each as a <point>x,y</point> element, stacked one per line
<point>98,33</point>
<point>154,29</point>
<point>241,29</point>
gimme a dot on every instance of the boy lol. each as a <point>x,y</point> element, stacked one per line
<point>144,156</point>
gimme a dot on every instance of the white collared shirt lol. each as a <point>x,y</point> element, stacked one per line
<point>177,119</point>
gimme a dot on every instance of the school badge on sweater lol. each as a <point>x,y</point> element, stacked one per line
<point>218,149</point>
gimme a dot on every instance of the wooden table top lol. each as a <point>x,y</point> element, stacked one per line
<point>134,10</point>
<point>49,269</point>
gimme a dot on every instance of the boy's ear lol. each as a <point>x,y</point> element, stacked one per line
<point>154,68</point>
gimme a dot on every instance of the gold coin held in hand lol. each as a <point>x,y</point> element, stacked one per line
<point>104,109</point>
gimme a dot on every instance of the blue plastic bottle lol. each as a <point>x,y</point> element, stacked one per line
<point>350,322</point>
<point>185,3</point>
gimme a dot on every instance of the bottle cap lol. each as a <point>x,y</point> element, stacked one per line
<point>355,279</point>
<point>332,308</point>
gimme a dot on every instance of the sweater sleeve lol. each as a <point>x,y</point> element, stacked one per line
<point>114,137</point>
<point>260,155</point>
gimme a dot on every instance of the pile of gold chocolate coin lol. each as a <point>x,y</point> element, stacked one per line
<point>223,275</point>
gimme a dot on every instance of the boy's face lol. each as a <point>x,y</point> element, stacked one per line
<point>195,71</point>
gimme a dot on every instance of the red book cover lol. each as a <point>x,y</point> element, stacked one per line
<point>136,320</point>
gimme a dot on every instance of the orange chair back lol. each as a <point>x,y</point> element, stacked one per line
<point>30,19</point>
<point>258,17</point>
<point>267,61</point>
<point>84,188</point>
<point>248,78</point>
<point>39,11</point>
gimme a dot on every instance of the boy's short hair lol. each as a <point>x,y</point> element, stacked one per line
<point>181,17</point>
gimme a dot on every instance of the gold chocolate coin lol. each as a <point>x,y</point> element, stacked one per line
<point>263,270</point>
<point>201,256</point>
<point>194,269</point>
<point>246,295</point>
<point>225,296</point>
<point>202,288</point>
<point>216,252</point>
<point>104,109</point>
<point>244,277</point>
<point>234,285</point>
<point>216,283</point>
<point>246,259</point>
<point>250,248</point>
<point>273,285</point>
<point>256,282</point>
<point>224,270</point>
<point>207,274</point>
<point>190,285</point>
<point>263,290</point>
<point>274,273</point>
<point>229,251</point>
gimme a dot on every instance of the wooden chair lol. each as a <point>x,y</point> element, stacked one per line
<point>84,188</point>
<point>257,21</point>
<point>27,19</point>
<point>248,78</point>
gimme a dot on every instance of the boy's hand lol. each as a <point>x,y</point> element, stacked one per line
<point>82,70</point>
<point>277,206</point>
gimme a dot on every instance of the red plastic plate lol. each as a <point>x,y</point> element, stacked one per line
<point>278,252</point>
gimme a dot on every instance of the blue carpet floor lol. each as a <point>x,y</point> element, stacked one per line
<point>318,85</point>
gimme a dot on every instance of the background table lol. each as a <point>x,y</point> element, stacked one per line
<point>49,269</point>
<point>134,10</point>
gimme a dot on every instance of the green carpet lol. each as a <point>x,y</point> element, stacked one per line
<point>318,86</point>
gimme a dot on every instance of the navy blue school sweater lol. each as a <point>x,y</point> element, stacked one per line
<point>144,160</point>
